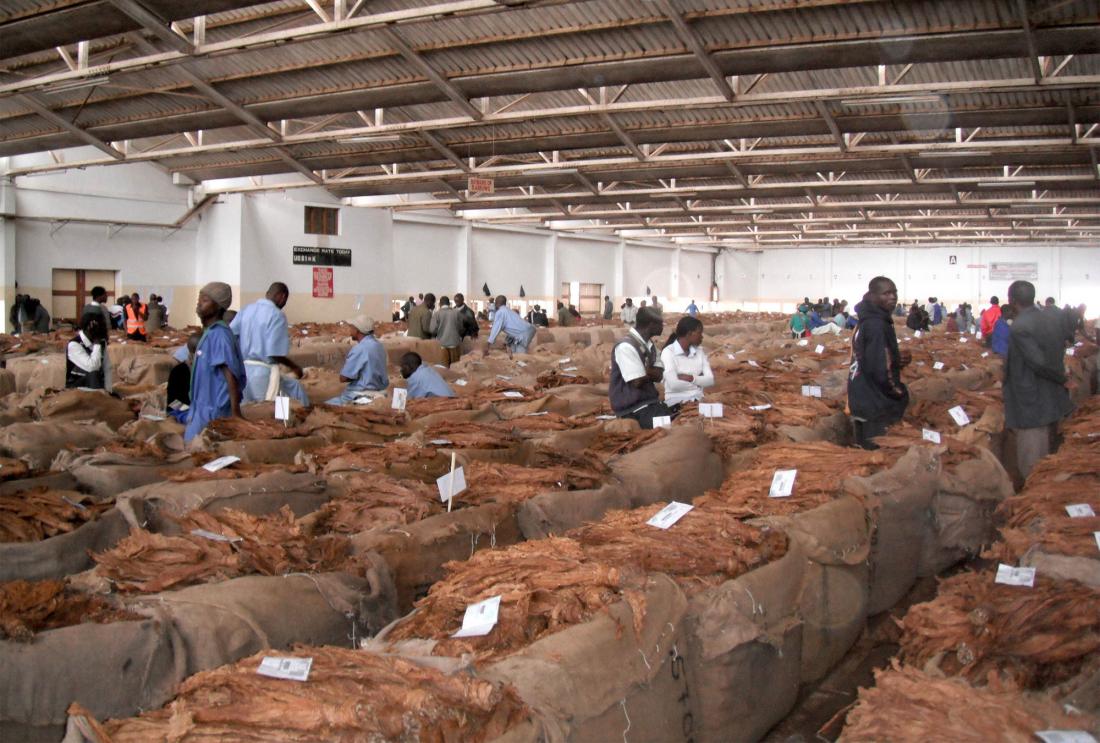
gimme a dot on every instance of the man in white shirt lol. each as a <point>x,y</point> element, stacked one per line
<point>629,313</point>
<point>84,355</point>
<point>635,371</point>
<point>687,371</point>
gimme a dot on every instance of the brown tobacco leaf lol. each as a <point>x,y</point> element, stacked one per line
<point>492,482</point>
<point>707,546</point>
<point>466,435</point>
<point>1037,637</point>
<point>546,586</point>
<point>552,378</point>
<point>731,433</point>
<point>28,607</point>
<point>821,469</point>
<point>610,444</point>
<point>242,429</point>
<point>41,513</point>
<point>419,407</point>
<point>351,695</point>
<point>907,705</point>
<point>372,500</point>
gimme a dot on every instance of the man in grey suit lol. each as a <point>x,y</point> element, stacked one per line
<point>1035,391</point>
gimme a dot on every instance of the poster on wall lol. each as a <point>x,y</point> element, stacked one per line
<point>305,256</point>
<point>1013,271</point>
<point>322,283</point>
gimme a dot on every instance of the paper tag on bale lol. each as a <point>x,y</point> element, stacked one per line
<point>291,669</point>
<point>710,409</point>
<point>984,354</point>
<point>938,365</point>
<point>400,396</point>
<point>662,421</point>
<point>282,408</point>
<point>669,515</point>
<point>916,333</point>
<point>782,483</point>
<point>803,342</point>
<point>1070,352</point>
<point>605,417</point>
<point>513,394</point>
<point>760,407</point>
<point>962,340</point>
<point>929,435</point>
<point>480,618</point>
<point>213,536</point>
<point>1080,511</point>
<point>1010,576</point>
<point>978,335</point>
<point>443,482</point>
<point>220,463</point>
<point>1096,536</point>
<point>959,415</point>
<point>1064,736</point>
<point>461,382</point>
<point>810,390</point>
<point>819,349</point>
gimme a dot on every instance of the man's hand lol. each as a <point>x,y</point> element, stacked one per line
<point>655,373</point>
<point>685,377</point>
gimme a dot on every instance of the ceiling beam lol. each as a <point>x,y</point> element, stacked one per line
<point>623,136</point>
<point>34,103</point>
<point>414,58</point>
<point>692,41</point>
<point>823,109</point>
<point>445,151</point>
<point>1029,40</point>
<point>156,25</point>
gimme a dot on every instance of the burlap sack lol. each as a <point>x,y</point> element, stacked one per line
<point>146,369</point>
<point>932,389</point>
<point>899,500</point>
<point>1064,567</point>
<point>962,512</point>
<point>7,382</point>
<point>64,554</point>
<point>599,681</point>
<point>547,404</point>
<point>270,451</point>
<point>85,405</point>
<point>745,649</point>
<point>144,427</point>
<point>152,506</point>
<point>556,513</point>
<point>583,398</point>
<point>41,370</point>
<point>51,481</point>
<point>416,552</point>
<point>678,467</point>
<point>38,443</point>
<point>106,474</point>
<point>326,355</point>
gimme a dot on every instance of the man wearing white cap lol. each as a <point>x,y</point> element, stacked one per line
<point>365,368</point>
<point>217,376</point>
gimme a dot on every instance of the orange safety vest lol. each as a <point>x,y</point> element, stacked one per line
<point>135,323</point>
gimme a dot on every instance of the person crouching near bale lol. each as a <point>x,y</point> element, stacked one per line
<point>635,371</point>
<point>365,368</point>
<point>217,377</point>
<point>85,355</point>
<point>687,372</point>
<point>421,379</point>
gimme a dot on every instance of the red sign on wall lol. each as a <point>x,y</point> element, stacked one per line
<point>322,283</point>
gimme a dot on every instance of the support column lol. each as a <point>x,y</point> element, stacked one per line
<point>617,291</point>
<point>7,248</point>
<point>466,263</point>
<point>674,277</point>
<point>551,285</point>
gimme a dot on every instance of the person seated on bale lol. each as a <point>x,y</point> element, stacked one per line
<point>179,380</point>
<point>85,357</point>
<point>262,331</point>
<point>421,379</point>
<point>565,317</point>
<point>365,368</point>
<point>820,326</point>
<point>635,371</point>
<point>687,372</point>
<point>799,323</point>
<point>218,378</point>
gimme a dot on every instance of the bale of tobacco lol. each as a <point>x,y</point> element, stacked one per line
<point>976,628</point>
<point>906,705</point>
<point>370,500</point>
<point>29,607</point>
<point>350,695</point>
<point>40,513</point>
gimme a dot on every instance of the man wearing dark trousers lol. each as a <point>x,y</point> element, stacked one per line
<point>635,369</point>
<point>876,396</point>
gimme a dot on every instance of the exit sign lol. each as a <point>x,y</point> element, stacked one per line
<point>480,185</point>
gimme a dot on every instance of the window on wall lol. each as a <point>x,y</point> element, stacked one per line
<point>322,220</point>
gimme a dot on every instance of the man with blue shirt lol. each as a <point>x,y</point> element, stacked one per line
<point>421,379</point>
<point>217,377</point>
<point>518,333</point>
<point>365,368</point>
<point>262,330</point>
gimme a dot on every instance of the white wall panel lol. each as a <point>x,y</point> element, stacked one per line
<point>505,260</point>
<point>644,267</point>
<point>587,261</point>
<point>426,258</point>
<point>695,270</point>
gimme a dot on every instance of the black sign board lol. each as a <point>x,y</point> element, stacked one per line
<point>321,256</point>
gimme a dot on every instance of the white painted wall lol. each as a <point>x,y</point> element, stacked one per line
<point>505,260</point>
<point>586,261</point>
<point>644,266</point>
<point>426,258</point>
<point>695,270</point>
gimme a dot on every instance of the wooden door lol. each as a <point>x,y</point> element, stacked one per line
<point>72,287</point>
<point>591,299</point>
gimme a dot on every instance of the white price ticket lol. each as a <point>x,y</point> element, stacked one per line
<point>1064,736</point>
<point>803,342</point>
<point>1080,511</point>
<point>929,435</point>
<point>440,442</point>
<point>480,618</point>
<point>1011,576</point>
<point>669,515</point>
<point>963,339</point>
<point>214,536</point>
<point>1070,352</point>
<point>782,483</point>
<point>959,415</point>
<point>566,360</point>
<point>978,335</point>
<point>521,364</point>
<point>916,333</point>
<point>570,368</point>
<point>938,365</point>
<point>605,417</point>
<point>148,417</point>
<point>513,394</point>
<point>447,490</point>
<point>710,409</point>
<point>810,390</point>
<point>731,357</point>
<point>662,421</point>
<point>753,363</point>
<point>461,382</point>
<point>985,354</point>
<point>400,397</point>
<point>819,349</point>
<point>220,463</point>
<point>291,669</point>
<point>760,407</point>
<point>282,408</point>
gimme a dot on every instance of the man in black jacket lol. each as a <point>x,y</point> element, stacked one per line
<point>1035,394</point>
<point>876,396</point>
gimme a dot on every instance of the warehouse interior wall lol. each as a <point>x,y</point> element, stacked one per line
<point>247,240</point>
